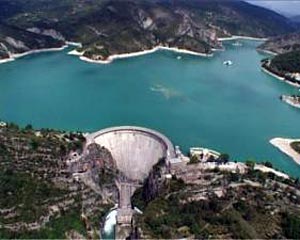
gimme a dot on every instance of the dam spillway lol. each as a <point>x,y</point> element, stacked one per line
<point>135,149</point>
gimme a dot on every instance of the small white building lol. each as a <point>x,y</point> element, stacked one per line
<point>296,76</point>
<point>203,154</point>
<point>3,124</point>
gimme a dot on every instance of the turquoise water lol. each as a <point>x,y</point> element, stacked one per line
<point>195,101</point>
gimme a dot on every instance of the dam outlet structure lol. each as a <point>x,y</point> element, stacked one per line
<point>135,150</point>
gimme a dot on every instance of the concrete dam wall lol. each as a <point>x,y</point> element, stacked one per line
<point>134,149</point>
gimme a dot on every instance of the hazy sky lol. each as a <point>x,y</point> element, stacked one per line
<point>288,7</point>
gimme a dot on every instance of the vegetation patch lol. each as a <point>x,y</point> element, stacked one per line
<point>54,229</point>
<point>296,146</point>
<point>287,62</point>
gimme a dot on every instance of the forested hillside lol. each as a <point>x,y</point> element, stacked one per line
<point>116,26</point>
<point>287,62</point>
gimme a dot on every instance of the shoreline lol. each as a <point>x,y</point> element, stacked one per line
<point>236,37</point>
<point>111,58</point>
<point>283,144</point>
<point>74,52</point>
<point>279,78</point>
<point>140,53</point>
<point>267,52</point>
<point>272,74</point>
<point>75,44</point>
<point>15,56</point>
<point>289,101</point>
<point>19,55</point>
<point>6,60</point>
<point>263,168</point>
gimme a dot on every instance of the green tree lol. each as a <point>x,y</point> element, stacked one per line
<point>223,158</point>
<point>250,164</point>
<point>194,159</point>
<point>34,144</point>
<point>291,226</point>
<point>28,127</point>
<point>268,164</point>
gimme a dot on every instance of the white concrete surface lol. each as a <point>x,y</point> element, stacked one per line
<point>134,149</point>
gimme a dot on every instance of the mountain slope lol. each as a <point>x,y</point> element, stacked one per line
<point>296,19</point>
<point>283,43</point>
<point>39,198</point>
<point>214,204</point>
<point>286,63</point>
<point>15,40</point>
<point>110,27</point>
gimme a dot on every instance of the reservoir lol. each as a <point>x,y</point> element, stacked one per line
<point>195,101</point>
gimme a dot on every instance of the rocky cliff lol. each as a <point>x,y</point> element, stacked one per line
<point>14,40</point>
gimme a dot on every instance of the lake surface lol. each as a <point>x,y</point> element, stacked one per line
<point>195,101</point>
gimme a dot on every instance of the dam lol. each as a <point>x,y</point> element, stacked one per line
<point>135,151</point>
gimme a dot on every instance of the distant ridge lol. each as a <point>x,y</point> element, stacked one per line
<point>283,43</point>
<point>295,19</point>
<point>112,27</point>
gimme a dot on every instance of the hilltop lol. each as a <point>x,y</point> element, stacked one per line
<point>296,19</point>
<point>111,27</point>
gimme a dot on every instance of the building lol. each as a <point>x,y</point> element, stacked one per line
<point>204,154</point>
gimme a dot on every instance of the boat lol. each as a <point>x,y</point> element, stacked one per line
<point>228,63</point>
<point>178,57</point>
<point>237,44</point>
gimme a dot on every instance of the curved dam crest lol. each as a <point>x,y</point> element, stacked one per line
<point>135,149</point>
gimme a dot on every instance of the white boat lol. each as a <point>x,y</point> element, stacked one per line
<point>228,63</point>
<point>178,57</point>
<point>237,44</point>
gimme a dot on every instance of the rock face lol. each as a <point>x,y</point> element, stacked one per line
<point>47,32</point>
<point>121,26</point>
<point>153,183</point>
<point>14,40</point>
